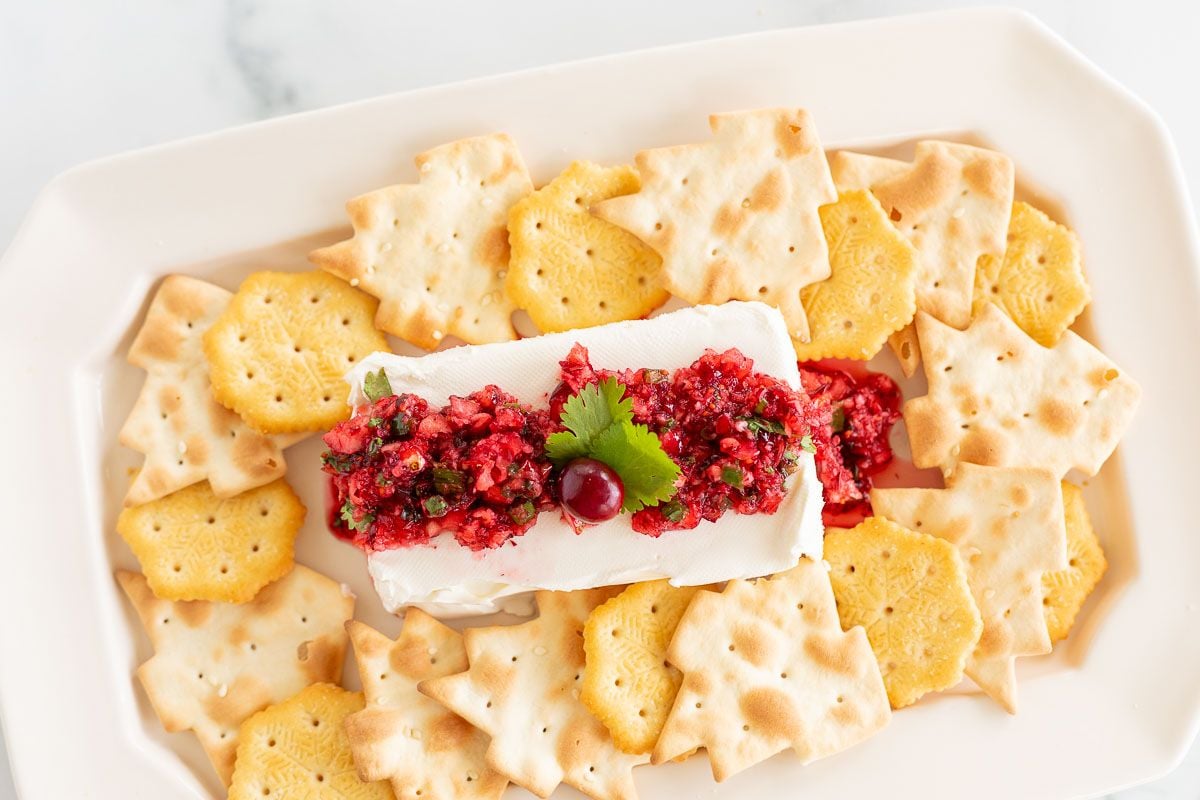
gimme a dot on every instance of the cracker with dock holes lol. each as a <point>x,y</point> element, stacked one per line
<point>193,545</point>
<point>215,664</point>
<point>736,218</point>
<point>767,667</point>
<point>1066,590</point>
<point>298,749</point>
<point>570,269</point>
<point>999,398</point>
<point>1007,524</point>
<point>870,293</point>
<point>435,253</point>
<point>522,689</point>
<point>953,202</point>
<point>279,352</point>
<point>185,434</point>
<point>627,682</point>
<point>402,736</point>
<point>1039,281</point>
<point>909,592</point>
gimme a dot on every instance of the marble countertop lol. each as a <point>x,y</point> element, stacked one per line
<point>81,79</point>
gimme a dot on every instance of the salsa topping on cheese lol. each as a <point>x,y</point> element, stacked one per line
<point>670,448</point>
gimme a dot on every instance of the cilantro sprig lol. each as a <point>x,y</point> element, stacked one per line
<point>599,424</point>
<point>376,385</point>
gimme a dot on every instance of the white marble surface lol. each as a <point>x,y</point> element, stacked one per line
<point>81,79</point>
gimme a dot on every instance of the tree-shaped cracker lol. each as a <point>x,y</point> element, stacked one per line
<point>215,664</point>
<point>185,434</point>
<point>998,397</point>
<point>522,689</point>
<point>1007,524</point>
<point>767,667</point>
<point>736,218</point>
<point>402,736</point>
<point>435,253</point>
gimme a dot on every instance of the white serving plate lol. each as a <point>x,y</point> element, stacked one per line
<point>1117,704</point>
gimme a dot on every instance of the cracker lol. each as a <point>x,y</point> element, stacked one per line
<point>1039,281</point>
<point>870,294</point>
<point>279,352</point>
<point>215,664</point>
<point>522,689</point>
<point>298,749</point>
<point>193,545</point>
<point>766,666</point>
<point>1066,590</point>
<point>627,683</point>
<point>909,592</point>
<point>402,736</point>
<point>736,218</point>
<point>186,435</point>
<point>997,397</point>
<point>435,253</point>
<point>570,269</point>
<point>1007,524</point>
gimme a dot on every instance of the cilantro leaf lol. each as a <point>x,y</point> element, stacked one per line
<point>636,455</point>
<point>564,446</point>
<point>839,420</point>
<point>806,443</point>
<point>760,425</point>
<point>732,476</point>
<point>376,385</point>
<point>347,514</point>
<point>586,415</point>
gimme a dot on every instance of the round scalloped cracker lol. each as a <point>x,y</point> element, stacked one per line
<point>298,748</point>
<point>627,683</point>
<point>909,591</point>
<point>871,292</point>
<point>570,269</point>
<point>1039,282</point>
<point>1066,590</point>
<point>278,353</point>
<point>193,545</point>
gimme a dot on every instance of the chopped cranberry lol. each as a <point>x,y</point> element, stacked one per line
<point>855,446</point>
<point>402,473</point>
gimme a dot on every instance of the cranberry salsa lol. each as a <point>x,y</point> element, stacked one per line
<point>483,467</point>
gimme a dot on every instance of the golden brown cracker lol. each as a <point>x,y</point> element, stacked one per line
<point>1039,281</point>
<point>909,592</point>
<point>299,749</point>
<point>1067,590</point>
<point>570,269</point>
<point>767,667</point>
<point>627,682</point>
<point>1007,524</point>
<point>193,545</point>
<point>522,689</point>
<point>435,253</point>
<point>998,398</point>
<point>735,218</point>
<point>279,352</point>
<point>215,664</point>
<point>424,751</point>
<point>870,293</point>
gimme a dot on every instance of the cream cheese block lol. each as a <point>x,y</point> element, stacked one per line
<point>448,580</point>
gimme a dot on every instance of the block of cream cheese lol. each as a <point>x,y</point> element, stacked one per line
<point>448,580</point>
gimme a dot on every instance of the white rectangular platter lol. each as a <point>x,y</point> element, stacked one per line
<point>1118,703</point>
